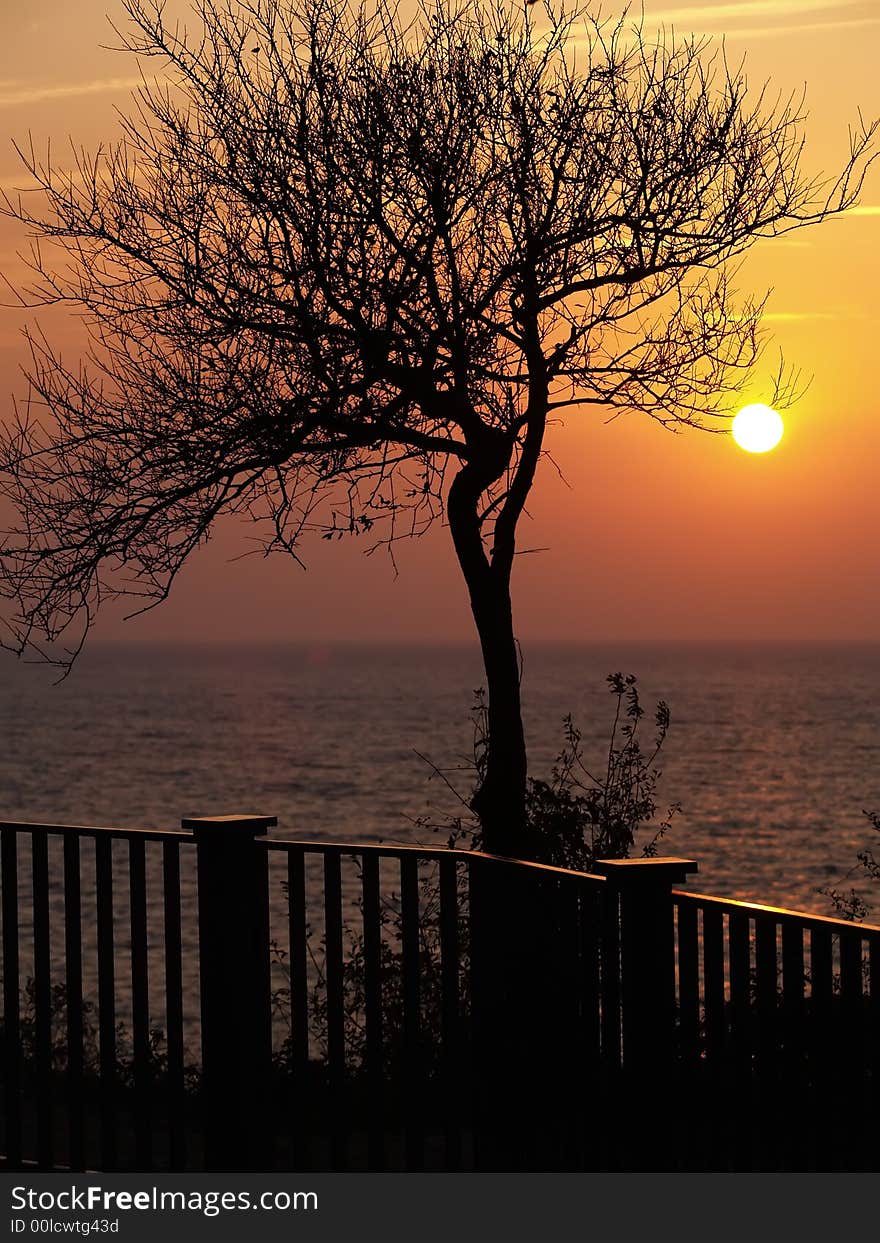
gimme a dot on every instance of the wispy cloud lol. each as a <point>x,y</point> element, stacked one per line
<point>784,240</point>
<point>16,183</point>
<point>789,317</point>
<point>768,32</point>
<point>777,17</point>
<point>14,94</point>
<point>863,211</point>
<point>745,10</point>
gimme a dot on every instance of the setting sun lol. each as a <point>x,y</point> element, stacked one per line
<point>757,429</point>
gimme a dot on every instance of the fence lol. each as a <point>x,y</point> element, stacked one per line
<point>221,997</point>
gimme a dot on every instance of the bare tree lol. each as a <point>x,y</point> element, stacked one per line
<point>342,270</point>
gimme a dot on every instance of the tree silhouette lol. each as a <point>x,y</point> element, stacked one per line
<point>342,270</point>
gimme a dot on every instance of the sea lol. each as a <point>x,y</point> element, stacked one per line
<point>773,750</point>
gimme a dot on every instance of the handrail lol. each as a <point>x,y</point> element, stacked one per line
<point>776,912</point>
<point>384,849</point>
<point>395,850</point>
<point>95,830</point>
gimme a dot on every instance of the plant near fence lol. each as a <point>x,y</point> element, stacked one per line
<point>124,1075</point>
<point>852,905</point>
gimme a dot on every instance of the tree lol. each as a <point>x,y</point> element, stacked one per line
<point>340,273</point>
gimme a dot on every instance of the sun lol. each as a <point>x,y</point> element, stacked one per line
<point>757,429</point>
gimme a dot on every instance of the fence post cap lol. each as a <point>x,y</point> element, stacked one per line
<point>206,828</point>
<point>663,870</point>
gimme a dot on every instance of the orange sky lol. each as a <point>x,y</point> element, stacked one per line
<point>656,535</point>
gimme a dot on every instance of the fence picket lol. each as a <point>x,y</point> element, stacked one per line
<point>11,998</point>
<point>372,916</point>
<point>450,1012</point>
<point>335,1008</point>
<point>73,991</point>
<point>174,1005</point>
<point>106,1001</point>
<point>300,1104</point>
<point>42,999</point>
<point>414,1139</point>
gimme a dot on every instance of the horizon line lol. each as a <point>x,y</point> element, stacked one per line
<point>375,641</point>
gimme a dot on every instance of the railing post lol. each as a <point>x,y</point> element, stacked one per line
<point>514,980</point>
<point>235,988</point>
<point>500,994</point>
<point>647,995</point>
<point>647,953</point>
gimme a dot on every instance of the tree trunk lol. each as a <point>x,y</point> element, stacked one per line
<point>499,801</point>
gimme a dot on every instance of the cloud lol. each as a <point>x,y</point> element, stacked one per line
<point>767,32</point>
<point>14,94</point>
<point>788,317</point>
<point>867,210</point>
<point>18,183</point>
<point>784,240</point>
<point>716,14</point>
<point>778,17</point>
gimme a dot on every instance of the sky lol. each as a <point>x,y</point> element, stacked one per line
<point>650,535</point>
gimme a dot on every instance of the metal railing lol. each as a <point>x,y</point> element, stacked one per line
<point>226,997</point>
<point>779,1024</point>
